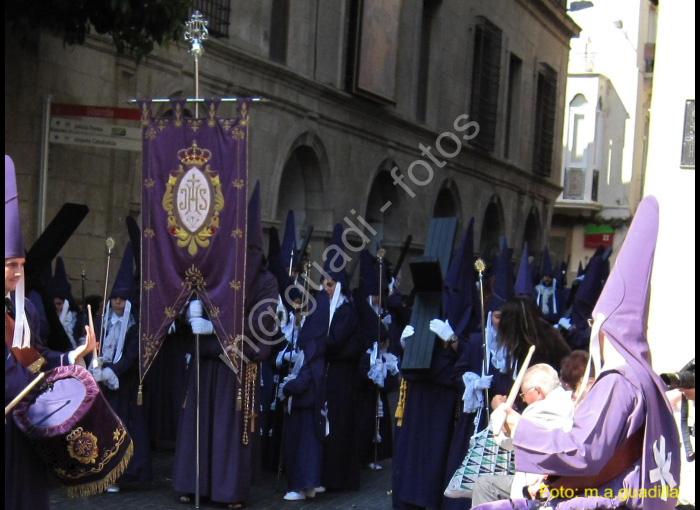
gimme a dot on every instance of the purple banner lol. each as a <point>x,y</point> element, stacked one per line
<point>195,180</point>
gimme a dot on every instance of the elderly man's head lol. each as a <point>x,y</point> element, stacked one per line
<point>539,380</point>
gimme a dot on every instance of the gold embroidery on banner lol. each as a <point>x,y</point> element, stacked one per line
<point>149,232</point>
<point>145,115</point>
<point>235,284</point>
<point>237,234</point>
<point>177,115</point>
<point>149,183</point>
<point>147,341</point>
<point>238,134</point>
<point>194,278</point>
<point>163,123</point>
<point>150,133</point>
<point>148,284</point>
<point>214,312</point>
<point>194,124</point>
<point>170,312</point>
<point>193,200</point>
<point>244,114</point>
<point>212,115</point>
<point>238,184</point>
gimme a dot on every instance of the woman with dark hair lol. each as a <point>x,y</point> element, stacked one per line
<point>521,326</point>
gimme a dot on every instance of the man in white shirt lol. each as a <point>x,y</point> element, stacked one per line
<point>548,404</point>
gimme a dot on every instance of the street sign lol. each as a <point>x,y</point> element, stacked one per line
<point>94,133</point>
<point>105,142</point>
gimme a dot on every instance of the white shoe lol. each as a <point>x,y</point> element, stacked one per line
<point>294,496</point>
<point>113,488</point>
<point>310,493</point>
<point>374,466</point>
<point>320,489</point>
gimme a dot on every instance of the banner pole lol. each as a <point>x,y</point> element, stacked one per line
<point>195,33</point>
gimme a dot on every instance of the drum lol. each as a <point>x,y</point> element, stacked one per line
<point>75,431</point>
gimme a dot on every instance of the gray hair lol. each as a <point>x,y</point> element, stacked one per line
<point>541,376</point>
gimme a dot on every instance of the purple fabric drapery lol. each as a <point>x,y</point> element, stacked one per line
<point>194,194</point>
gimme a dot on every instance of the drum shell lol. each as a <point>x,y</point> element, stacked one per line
<point>88,450</point>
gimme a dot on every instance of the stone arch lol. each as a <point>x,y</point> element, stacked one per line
<point>492,229</point>
<point>384,204</point>
<point>301,179</point>
<point>448,203</point>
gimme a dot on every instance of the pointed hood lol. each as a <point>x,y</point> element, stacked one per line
<point>369,275</point>
<point>13,233</point>
<point>288,250</point>
<point>124,282</point>
<point>457,293</point>
<point>503,287</point>
<point>547,267</point>
<point>523,283</point>
<point>60,286</point>
<point>316,323</point>
<point>621,314</point>
<point>336,258</point>
<point>580,271</point>
<point>588,291</point>
<point>256,261</point>
<point>274,259</point>
<point>255,232</point>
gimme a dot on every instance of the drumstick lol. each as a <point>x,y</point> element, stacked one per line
<point>24,392</point>
<point>95,362</point>
<point>519,380</point>
<point>498,419</point>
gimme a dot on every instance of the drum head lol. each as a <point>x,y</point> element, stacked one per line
<point>57,404</point>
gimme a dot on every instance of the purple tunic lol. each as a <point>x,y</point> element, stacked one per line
<point>26,480</point>
<point>228,467</point>
<point>610,414</point>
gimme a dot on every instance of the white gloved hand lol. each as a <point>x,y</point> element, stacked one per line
<point>195,310</point>
<point>407,332</point>
<point>97,374</point>
<point>280,392</point>
<point>484,382</point>
<point>391,363</point>
<point>442,329</point>
<point>386,320</point>
<point>110,379</point>
<point>564,323</point>
<point>171,329</point>
<point>201,326</point>
<point>376,374</point>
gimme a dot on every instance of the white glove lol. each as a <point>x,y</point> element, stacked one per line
<point>97,374</point>
<point>280,392</point>
<point>407,332</point>
<point>484,382</point>
<point>386,320</point>
<point>377,374</point>
<point>441,329</point>
<point>201,326</point>
<point>110,379</point>
<point>171,329</point>
<point>195,310</point>
<point>391,363</point>
<point>564,323</point>
<point>290,356</point>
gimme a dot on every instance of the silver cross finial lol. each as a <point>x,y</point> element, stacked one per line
<point>196,33</point>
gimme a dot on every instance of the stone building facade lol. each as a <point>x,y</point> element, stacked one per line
<point>319,144</point>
